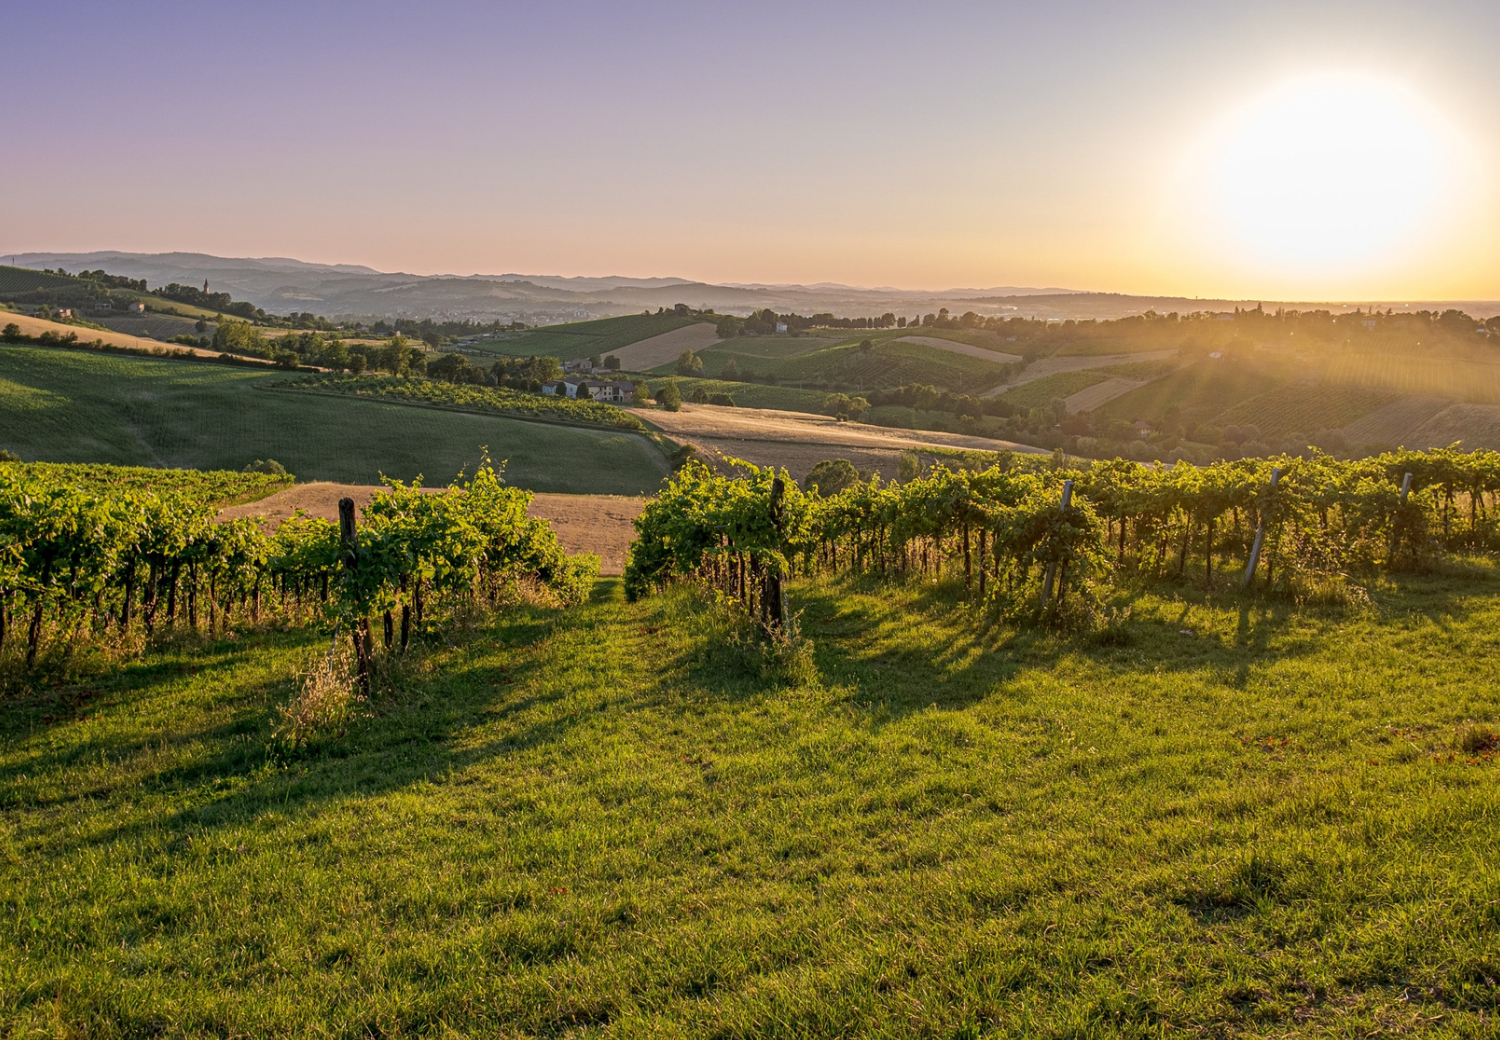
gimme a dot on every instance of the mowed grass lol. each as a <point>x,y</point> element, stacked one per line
<point>582,339</point>
<point>607,822</point>
<point>71,406</point>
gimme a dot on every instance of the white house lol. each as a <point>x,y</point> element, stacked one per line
<point>577,365</point>
<point>614,391</point>
<point>781,326</point>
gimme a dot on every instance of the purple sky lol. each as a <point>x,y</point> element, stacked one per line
<point>917,144</point>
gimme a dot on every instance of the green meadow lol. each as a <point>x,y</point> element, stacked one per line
<point>1235,818</point>
<point>72,406</point>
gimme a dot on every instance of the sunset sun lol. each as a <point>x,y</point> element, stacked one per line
<point>1328,173</point>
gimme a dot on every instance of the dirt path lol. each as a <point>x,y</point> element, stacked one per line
<point>1051,366</point>
<point>658,350</point>
<point>602,524</point>
<point>997,356</point>
<point>729,425</point>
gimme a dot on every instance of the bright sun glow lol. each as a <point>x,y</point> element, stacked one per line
<point>1330,174</point>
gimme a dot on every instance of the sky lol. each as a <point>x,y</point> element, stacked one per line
<point>1108,146</point>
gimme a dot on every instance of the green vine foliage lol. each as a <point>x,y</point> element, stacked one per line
<point>1006,531</point>
<point>87,560</point>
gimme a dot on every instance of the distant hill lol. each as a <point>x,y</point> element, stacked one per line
<point>280,285</point>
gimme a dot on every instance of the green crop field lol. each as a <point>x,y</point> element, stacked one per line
<point>69,406</point>
<point>887,364</point>
<point>586,338</point>
<point>1200,390</point>
<point>1040,393</point>
<point>1239,820</point>
<point>155,326</point>
<point>753,395</point>
<point>1305,409</point>
<point>21,279</point>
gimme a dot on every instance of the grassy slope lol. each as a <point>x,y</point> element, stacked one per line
<point>754,395</point>
<point>586,338</point>
<point>604,821</point>
<point>888,364</point>
<point>1201,390</point>
<point>68,406</point>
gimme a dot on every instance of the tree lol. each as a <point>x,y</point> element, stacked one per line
<point>726,327</point>
<point>266,466</point>
<point>699,395</point>
<point>831,476</point>
<point>689,364</point>
<point>612,363</point>
<point>357,363</point>
<point>731,370</point>
<point>11,333</point>
<point>908,466</point>
<point>865,346</point>
<point>669,397</point>
<point>723,400</point>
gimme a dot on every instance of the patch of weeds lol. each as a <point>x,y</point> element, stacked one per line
<point>325,700</point>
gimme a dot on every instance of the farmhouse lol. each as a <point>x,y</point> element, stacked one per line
<point>578,365</point>
<point>614,391</point>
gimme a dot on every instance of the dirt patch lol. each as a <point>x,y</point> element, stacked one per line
<point>998,357</point>
<point>658,350</point>
<point>602,524</point>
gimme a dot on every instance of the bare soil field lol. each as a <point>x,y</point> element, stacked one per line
<point>658,350</point>
<point>602,524</point>
<point>997,356</point>
<point>1100,394</point>
<point>777,435</point>
<point>1053,365</point>
<point>36,326</point>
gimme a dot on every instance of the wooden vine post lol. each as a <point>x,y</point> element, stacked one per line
<point>773,609</point>
<point>1396,522</point>
<point>1260,537</point>
<point>1067,500</point>
<point>349,550</point>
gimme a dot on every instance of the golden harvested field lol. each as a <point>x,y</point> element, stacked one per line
<point>1100,394</point>
<point>768,425</point>
<point>1396,422</point>
<point>601,524</point>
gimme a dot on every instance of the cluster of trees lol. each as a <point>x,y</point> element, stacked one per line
<point>764,323</point>
<point>527,373</point>
<point>112,281</point>
<point>221,302</point>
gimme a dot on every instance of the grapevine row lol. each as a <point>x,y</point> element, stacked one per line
<point>1005,532</point>
<point>80,563</point>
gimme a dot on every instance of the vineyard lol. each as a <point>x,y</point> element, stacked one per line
<point>1299,527</point>
<point>205,487</point>
<point>89,554</point>
<point>1305,409</point>
<point>471,398</point>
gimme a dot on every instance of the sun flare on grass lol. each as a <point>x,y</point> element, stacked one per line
<point>1329,174</point>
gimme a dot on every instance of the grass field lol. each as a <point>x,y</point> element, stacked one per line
<point>68,406</point>
<point>586,338</point>
<point>1239,821</point>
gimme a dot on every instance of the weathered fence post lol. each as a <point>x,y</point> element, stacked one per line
<point>1396,520</point>
<point>774,608</point>
<point>1260,537</point>
<point>1067,500</point>
<point>349,550</point>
